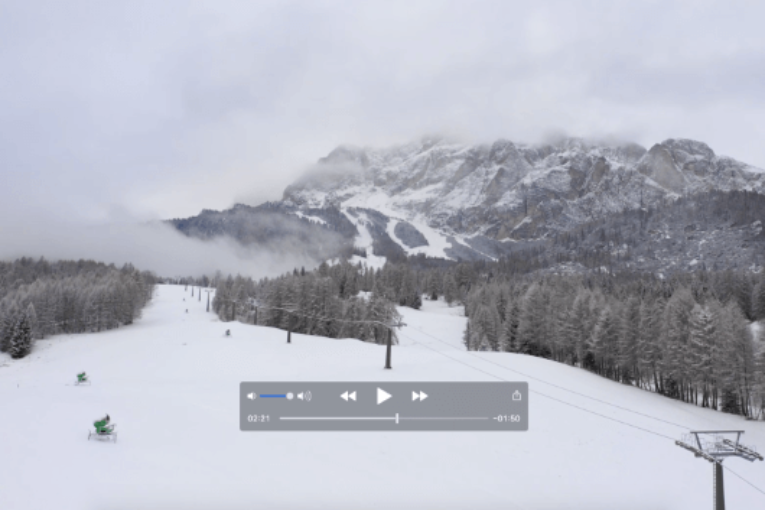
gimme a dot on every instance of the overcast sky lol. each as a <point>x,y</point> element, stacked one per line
<point>157,109</point>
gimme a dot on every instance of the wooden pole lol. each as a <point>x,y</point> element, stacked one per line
<point>289,336</point>
<point>388,349</point>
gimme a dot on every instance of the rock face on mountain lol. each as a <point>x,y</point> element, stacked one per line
<point>440,199</point>
<point>508,191</point>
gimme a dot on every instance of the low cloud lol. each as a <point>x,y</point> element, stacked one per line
<point>156,247</point>
<point>155,110</point>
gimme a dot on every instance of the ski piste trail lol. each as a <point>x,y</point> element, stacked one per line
<point>171,384</point>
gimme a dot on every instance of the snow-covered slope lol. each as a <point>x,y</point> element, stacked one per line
<point>458,196</point>
<point>171,384</point>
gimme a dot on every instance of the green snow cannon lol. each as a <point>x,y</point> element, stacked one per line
<point>101,426</point>
<point>104,430</point>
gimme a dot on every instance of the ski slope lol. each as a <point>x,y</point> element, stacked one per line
<point>171,384</point>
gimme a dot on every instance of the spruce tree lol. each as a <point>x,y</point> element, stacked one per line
<point>577,329</point>
<point>629,340</point>
<point>8,326</point>
<point>21,338</point>
<point>701,350</point>
<point>451,293</point>
<point>432,286</point>
<point>604,342</point>
<point>676,329</point>
<point>33,322</point>
<point>509,327</point>
<point>532,326</point>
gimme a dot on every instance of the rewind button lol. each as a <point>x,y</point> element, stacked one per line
<point>349,396</point>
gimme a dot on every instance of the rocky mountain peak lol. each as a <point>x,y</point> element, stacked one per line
<point>506,190</point>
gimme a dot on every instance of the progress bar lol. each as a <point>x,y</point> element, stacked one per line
<point>333,418</point>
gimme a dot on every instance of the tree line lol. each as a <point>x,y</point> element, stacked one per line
<point>338,301</point>
<point>687,337</point>
<point>40,298</point>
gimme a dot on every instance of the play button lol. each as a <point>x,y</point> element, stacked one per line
<point>382,396</point>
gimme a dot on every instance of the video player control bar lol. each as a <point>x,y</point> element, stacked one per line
<point>389,406</point>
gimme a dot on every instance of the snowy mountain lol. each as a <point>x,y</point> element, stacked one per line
<point>171,384</point>
<point>509,191</point>
<point>448,200</point>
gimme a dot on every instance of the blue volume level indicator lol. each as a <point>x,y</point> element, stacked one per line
<point>282,395</point>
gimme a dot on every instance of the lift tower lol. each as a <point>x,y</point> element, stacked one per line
<point>714,446</point>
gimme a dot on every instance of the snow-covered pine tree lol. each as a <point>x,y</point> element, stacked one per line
<point>241,301</point>
<point>701,349</point>
<point>484,344</point>
<point>509,336</point>
<point>560,345</point>
<point>466,336</point>
<point>650,346</point>
<point>334,312</point>
<point>478,332</point>
<point>350,326</point>
<point>290,297</point>
<point>451,293</point>
<point>8,325</point>
<point>21,337</point>
<point>629,340</point>
<point>352,283</point>
<point>410,293</point>
<point>676,328</point>
<point>304,288</point>
<point>577,330</point>
<point>743,287</point>
<point>432,286</point>
<point>33,323</point>
<point>532,325</point>
<point>737,363</point>
<point>384,314</point>
<point>604,344</point>
<point>492,327</point>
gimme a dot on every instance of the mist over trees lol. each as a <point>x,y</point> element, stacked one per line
<point>40,298</point>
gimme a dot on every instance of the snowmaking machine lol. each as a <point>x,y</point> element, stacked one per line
<point>104,430</point>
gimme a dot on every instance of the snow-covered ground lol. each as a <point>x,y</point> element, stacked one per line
<point>377,199</point>
<point>171,383</point>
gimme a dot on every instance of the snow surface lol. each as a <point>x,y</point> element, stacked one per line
<point>315,219</point>
<point>365,241</point>
<point>171,384</point>
<point>393,208</point>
